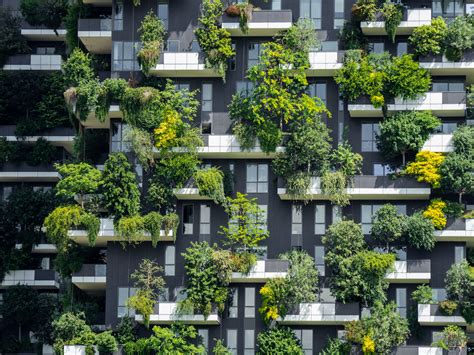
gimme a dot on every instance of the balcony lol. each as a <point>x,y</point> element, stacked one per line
<point>322,314</point>
<point>34,62</point>
<point>40,33</point>
<point>325,63</point>
<point>22,172</point>
<point>439,65</point>
<point>40,279</point>
<point>457,230</point>
<point>412,18</point>
<point>96,35</point>
<point>425,350</point>
<point>367,187</point>
<point>263,271</point>
<point>182,64</point>
<point>264,23</point>
<point>165,313</point>
<point>93,122</point>
<point>445,104</point>
<point>91,277</point>
<point>440,143</point>
<point>59,136</point>
<point>189,192</point>
<point>429,314</point>
<point>107,234</point>
<point>41,248</point>
<point>104,3</point>
<point>410,271</point>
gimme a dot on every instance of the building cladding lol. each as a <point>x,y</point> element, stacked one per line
<point>113,34</point>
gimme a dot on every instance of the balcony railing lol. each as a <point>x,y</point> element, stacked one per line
<point>166,313</point>
<point>429,314</point>
<point>325,63</point>
<point>41,33</point>
<point>34,62</point>
<point>410,271</point>
<point>95,25</point>
<point>440,65</point>
<point>24,172</point>
<point>42,279</point>
<point>439,142</point>
<point>263,271</point>
<point>457,230</point>
<point>59,136</point>
<point>263,23</point>
<point>91,277</point>
<point>182,64</point>
<point>96,35</point>
<point>412,18</point>
<point>322,313</point>
<point>426,350</point>
<point>367,187</point>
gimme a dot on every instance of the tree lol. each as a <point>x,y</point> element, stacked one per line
<point>78,68</point>
<point>247,226</point>
<point>426,167</point>
<point>404,132</point>
<point>458,282</point>
<point>387,225</point>
<point>178,339</point>
<point>210,182</point>
<point>220,348</point>
<point>278,340</point>
<point>428,39</point>
<point>459,37</point>
<point>106,343</point>
<point>11,40</point>
<point>48,13</point>
<point>119,188</point>
<point>419,232</point>
<point>125,331</point>
<point>463,140</point>
<point>274,299</point>
<point>342,240</point>
<point>453,338</point>
<point>77,180</point>
<point>423,294</point>
<point>456,174</point>
<point>67,327</point>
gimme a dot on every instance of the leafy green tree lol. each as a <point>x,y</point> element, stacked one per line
<point>210,183</point>
<point>125,331</point>
<point>387,225</point>
<point>453,338</point>
<point>48,13</point>
<point>67,327</point>
<point>106,343</point>
<point>406,79</point>
<point>220,348</point>
<point>405,132</point>
<point>423,294</point>
<point>178,339</point>
<point>458,282</point>
<point>419,232</point>
<point>456,174</point>
<point>428,39</point>
<point>12,42</point>
<point>336,346</point>
<point>278,340</point>
<point>78,68</point>
<point>77,180</point>
<point>342,240</point>
<point>463,140</point>
<point>119,188</point>
<point>459,37</point>
<point>247,226</point>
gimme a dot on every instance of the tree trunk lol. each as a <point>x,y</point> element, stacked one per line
<point>403,158</point>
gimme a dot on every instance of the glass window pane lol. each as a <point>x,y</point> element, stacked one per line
<point>170,255</point>
<point>296,214</point>
<point>249,339</point>
<point>262,172</point>
<point>232,338</point>
<point>251,172</point>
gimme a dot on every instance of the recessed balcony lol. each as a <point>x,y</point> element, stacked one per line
<point>22,172</point>
<point>325,63</point>
<point>40,33</point>
<point>189,192</point>
<point>445,104</point>
<point>59,136</point>
<point>425,350</point>
<point>439,65</point>
<point>263,271</point>
<point>429,314</point>
<point>183,64</point>
<point>107,234</point>
<point>49,62</point>
<point>410,271</point>
<point>440,143</point>
<point>93,122</point>
<point>96,35</point>
<point>412,18</point>
<point>40,279</point>
<point>91,277</point>
<point>457,230</point>
<point>166,313</point>
<point>263,23</point>
<point>322,314</point>
<point>367,187</point>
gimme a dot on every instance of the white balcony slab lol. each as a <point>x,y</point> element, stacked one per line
<point>415,18</point>
<point>426,317</point>
<point>29,176</point>
<point>40,34</point>
<point>182,64</point>
<point>167,315</point>
<point>317,314</point>
<point>66,142</point>
<point>49,62</point>
<point>458,234</point>
<point>99,42</point>
<point>189,193</point>
<point>28,278</point>
<point>401,274</point>
<point>256,274</point>
<point>439,143</point>
<point>324,64</point>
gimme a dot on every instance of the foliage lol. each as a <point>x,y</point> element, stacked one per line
<point>214,40</point>
<point>243,262</point>
<point>453,338</point>
<point>435,213</point>
<point>393,16</point>
<point>48,13</point>
<point>343,159</point>
<point>119,188</point>
<point>67,327</point>
<point>147,277</point>
<point>152,223</point>
<point>74,12</point>
<point>458,282</point>
<point>333,185</point>
<point>448,307</point>
<point>463,140</point>
<point>170,224</point>
<point>459,37</point>
<point>152,35</point>
<point>220,348</point>
<point>423,294</point>
<point>364,10</point>
<point>456,174</point>
<point>143,304</point>
<point>278,340</point>
<point>352,37</point>
<point>78,68</point>
<point>247,226</point>
<point>426,167</point>
<point>210,183</point>
<point>141,143</point>
<point>336,346</point>
<point>245,13</point>
<point>274,304</point>
<point>130,229</point>
<point>405,132</point>
<point>387,225</point>
<point>125,331</point>
<point>419,232</point>
<point>12,42</point>
<point>428,39</point>
<point>69,261</point>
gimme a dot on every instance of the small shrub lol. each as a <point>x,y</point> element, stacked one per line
<point>448,307</point>
<point>426,168</point>
<point>428,39</point>
<point>435,213</point>
<point>364,10</point>
<point>243,262</point>
<point>152,34</point>
<point>210,183</point>
<point>423,294</point>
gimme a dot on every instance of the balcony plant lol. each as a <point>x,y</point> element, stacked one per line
<point>453,338</point>
<point>463,140</point>
<point>387,225</point>
<point>365,10</point>
<point>426,167</point>
<point>245,13</point>
<point>428,39</point>
<point>447,307</point>
<point>436,213</point>
<point>456,174</point>
<point>152,35</point>
<point>278,340</point>
<point>49,14</point>
<point>459,37</point>
<point>10,32</point>
<point>423,294</point>
<point>393,15</point>
<point>210,183</point>
<point>419,232</point>
<point>458,282</point>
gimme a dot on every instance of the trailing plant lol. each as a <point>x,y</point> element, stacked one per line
<point>278,340</point>
<point>426,167</point>
<point>210,183</point>
<point>141,143</point>
<point>214,40</point>
<point>71,20</point>
<point>152,36</point>
<point>428,39</point>
<point>49,14</point>
<point>333,185</point>
<point>365,10</point>
<point>130,230</point>
<point>170,224</point>
<point>447,307</point>
<point>393,16</point>
<point>245,14</point>
<point>152,223</point>
<point>10,33</point>
<point>352,37</point>
<point>423,294</point>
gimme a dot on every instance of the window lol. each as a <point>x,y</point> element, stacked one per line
<point>318,90</point>
<point>124,56</point>
<point>249,342</point>
<point>182,86</point>
<point>329,46</point>
<point>45,50</point>
<point>257,178</point>
<point>319,219</point>
<point>253,54</point>
<point>276,4</point>
<point>206,102</point>
<point>367,211</point>
<point>336,214</point>
<point>447,128</point>
<point>319,253</point>
<point>244,87</point>
<point>234,305</point>
<point>296,220</point>
<point>306,338</point>
<point>188,219</point>
<point>311,9</point>
<point>447,86</point>
<point>232,340</point>
<point>382,169</point>
<point>118,15</point>
<point>249,311</point>
<point>401,295</point>
<point>338,14</point>
<point>162,12</point>
<point>232,60</point>
<point>205,220</point>
<point>369,137</point>
<point>170,260</point>
<point>376,47</point>
<point>459,254</point>
<point>172,46</point>
<point>436,336</point>
<point>119,133</point>
<point>204,334</point>
<point>402,48</point>
<point>447,8</point>
<point>124,293</point>
<point>6,192</point>
<point>439,294</point>
<point>45,264</point>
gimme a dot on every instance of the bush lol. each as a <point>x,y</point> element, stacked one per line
<point>458,282</point>
<point>459,37</point>
<point>364,10</point>
<point>435,213</point>
<point>428,39</point>
<point>426,167</point>
<point>106,343</point>
<point>152,34</point>
<point>393,16</point>
<point>44,13</point>
<point>278,340</point>
<point>423,294</point>
<point>453,338</point>
<point>463,140</point>
<point>210,183</point>
<point>419,232</point>
<point>10,33</point>
<point>448,307</point>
